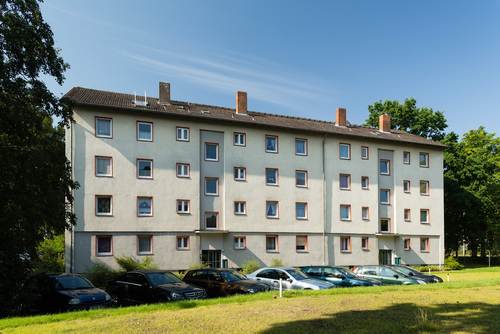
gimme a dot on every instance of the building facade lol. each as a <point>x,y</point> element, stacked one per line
<point>186,183</point>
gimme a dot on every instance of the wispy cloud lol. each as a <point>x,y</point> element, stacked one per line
<point>226,72</point>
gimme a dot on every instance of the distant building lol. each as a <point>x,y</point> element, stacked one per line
<point>185,182</point>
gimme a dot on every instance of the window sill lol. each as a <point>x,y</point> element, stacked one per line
<point>425,223</point>
<point>107,176</point>
<point>302,251</point>
<point>272,184</point>
<point>144,178</point>
<point>425,251</point>
<point>212,195</point>
<point>144,216</point>
<point>345,189</point>
<point>103,215</point>
<point>212,160</point>
<point>240,214</point>
<point>272,251</point>
<point>346,220</point>
<point>346,251</point>
<point>272,152</point>
<point>365,249</point>
<point>184,213</point>
<point>302,219</point>
<point>243,247</point>
<point>145,254</point>
<point>240,180</point>
<point>104,254</point>
<point>182,249</point>
<point>145,140</point>
<point>267,217</point>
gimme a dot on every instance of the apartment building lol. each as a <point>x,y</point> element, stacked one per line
<point>186,183</point>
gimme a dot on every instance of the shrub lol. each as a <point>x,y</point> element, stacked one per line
<point>198,265</point>
<point>276,263</point>
<point>427,268</point>
<point>451,263</point>
<point>129,263</point>
<point>101,274</point>
<point>50,255</point>
<point>250,267</point>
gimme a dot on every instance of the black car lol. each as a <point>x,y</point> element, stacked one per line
<point>141,286</point>
<point>47,293</point>
<point>224,282</point>
<point>413,273</point>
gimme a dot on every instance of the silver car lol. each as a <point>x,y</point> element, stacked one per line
<point>291,278</point>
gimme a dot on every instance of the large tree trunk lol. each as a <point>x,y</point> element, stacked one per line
<point>473,249</point>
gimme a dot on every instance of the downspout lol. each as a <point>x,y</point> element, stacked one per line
<point>324,201</point>
<point>72,238</point>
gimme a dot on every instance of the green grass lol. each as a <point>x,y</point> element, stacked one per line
<point>467,301</point>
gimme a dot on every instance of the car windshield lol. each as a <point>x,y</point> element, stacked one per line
<point>72,283</point>
<point>347,273</point>
<point>162,278</point>
<point>298,275</point>
<point>232,276</point>
<point>404,270</point>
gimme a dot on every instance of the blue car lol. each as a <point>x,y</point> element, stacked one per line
<point>339,276</point>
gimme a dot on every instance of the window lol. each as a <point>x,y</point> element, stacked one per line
<point>345,212</point>
<point>345,244</point>
<point>385,196</point>
<point>406,158</point>
<point>182,134</point>
<point>271,144</point>
<point>240,242</point>
<point>424,245</point>
<point>211,219</point>
<point>423,159</point>
<point>385,167</point>
<point>345,151</point>
<point>300,146</point>
<point>424,188</point>
<point>365,213</point>
<point>272,208</point>
<point>271,243</point>
<point>211,186</point>
<point>144,244</point>
<point>365,182</point>
<point>345,181</point>
<point>211,152</point>
<point>182,242</point>
<point>144,168</point>
<point>104,245</point>
<point>183,170</point>
<point>240,173</point>
<point>364,152</point>
<point>406,186</point>
<point>407,215</point>
<point>407,244</point>
<point>239,139</point>
<point>424,216</point>
<point>385,225</point>
<point>301,210</point>
<point>301,178</point>
<point>365,243</point>
<point>144,206</point>
<point>144,131</point>
<point>301,243</point>
<point>103,205</point>
<point>240,208</point>
<point>103,127</point>
<point>272,176</point>
<point>183,206</point>
<point>103,166</point>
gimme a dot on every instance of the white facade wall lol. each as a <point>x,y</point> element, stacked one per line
<point>323,225</point>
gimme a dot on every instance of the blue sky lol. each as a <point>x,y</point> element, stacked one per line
<point>303,58</point>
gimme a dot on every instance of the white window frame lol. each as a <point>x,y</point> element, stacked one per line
<point>110,127</point>
<point>426,165</point>
<point>348,151</point>
<point>367,150</point>
<point>348,181</point>
<point>239,139</point>
<point>405,247</point>
<point>139,199</point>
<point>348,206</point>
<point>405,218</point>
<point>305,211</point>
<point>305,146</point>
<point>277,209</point>
<point>363,217</point>
<point>276,244</point>
<point>367,182</point>
<point>404,186</point>
<point>277,143</point>
<point>240,242</point>
<point>388,196</point>
<point>217,186</point>
<point>138,170</point>
<point>388,166</point>
<point>110,253</point>
<point>240,208</point>
<point>306,243</point>
<point>427,216</point>
<point>238,171</point>
<point>216,151</point>
<point>110,159</point>
<point>183,166</point>
<point>150,251</point>
<point>211,213</point>
<point>388,225</point>
<point>306,177</point>
<point>277,176</point>
<point>347,249</point>
<point>180,130</point>
<point>367,246</point>
<point>138,132</point>
<point>427,248</point>
<point>406,161</point>
<point>427,187</point>
<point>184,242</point>
<point>184,203</point>
<point>97,213</point>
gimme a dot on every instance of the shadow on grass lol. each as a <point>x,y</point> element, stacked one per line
<point>402,318</point>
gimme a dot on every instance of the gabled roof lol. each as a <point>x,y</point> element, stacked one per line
<point>79,96</point>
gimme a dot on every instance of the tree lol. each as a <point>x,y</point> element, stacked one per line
<point>35,179</point>
<point>423,121</point>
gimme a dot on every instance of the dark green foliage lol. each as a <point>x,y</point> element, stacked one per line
<point>407,117</point>
<point>35,179</point>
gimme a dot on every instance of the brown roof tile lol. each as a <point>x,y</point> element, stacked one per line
<point>98,98</point>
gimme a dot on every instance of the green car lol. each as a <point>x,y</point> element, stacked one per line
<point>386,275</point>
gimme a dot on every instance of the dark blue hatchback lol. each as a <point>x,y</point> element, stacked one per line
<point>339,276</point>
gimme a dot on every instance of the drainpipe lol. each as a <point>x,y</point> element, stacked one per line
<point>72,231</point>
<point>324,201</point>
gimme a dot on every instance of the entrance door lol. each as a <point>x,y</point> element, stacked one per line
<point>211,258</point>
<point>385,256</point>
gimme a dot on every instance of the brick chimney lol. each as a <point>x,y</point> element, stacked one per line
<point>241,102</point>
<point>384,123</point>
<point>164,93</point>
<point>341,119</point>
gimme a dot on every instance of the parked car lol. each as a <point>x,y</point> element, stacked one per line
<point>386,275</point>
<point>224,282</point>
<point>338,275</point>
<point>414,273</point>
<point>143,286</point>
<point>48,293</point>
<point>291,278</point>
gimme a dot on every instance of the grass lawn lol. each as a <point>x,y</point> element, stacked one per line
<point>469,303</point>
